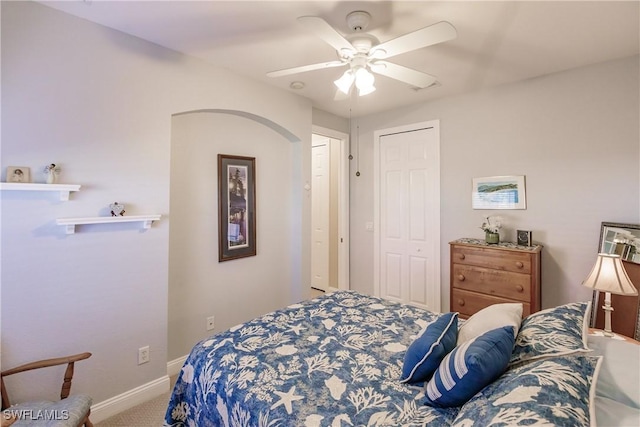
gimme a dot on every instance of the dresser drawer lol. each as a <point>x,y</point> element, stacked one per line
<point>498,283</point>
<point>519,262</point>
<point>468,303</point>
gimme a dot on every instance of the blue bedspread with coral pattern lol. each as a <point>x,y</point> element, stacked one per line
<point>332,361</point>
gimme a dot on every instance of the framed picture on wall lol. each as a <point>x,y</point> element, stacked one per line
<point>499,192</point>
<point>237,207</point>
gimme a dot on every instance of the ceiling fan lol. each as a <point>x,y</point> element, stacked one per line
<point>364,54</point>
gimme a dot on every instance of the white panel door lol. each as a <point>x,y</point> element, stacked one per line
<point>320,216</point>
<point>409,206</point>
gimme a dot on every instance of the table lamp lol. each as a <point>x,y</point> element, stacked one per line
<point>609,276</point>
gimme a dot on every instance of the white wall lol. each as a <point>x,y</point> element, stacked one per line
<point>199,286</point>
<point>574,135</point>
<point>100,103</point>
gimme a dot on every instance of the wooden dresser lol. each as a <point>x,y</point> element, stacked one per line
<point>484,274</point>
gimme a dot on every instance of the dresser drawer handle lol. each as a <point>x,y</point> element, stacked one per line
<point>520,288</point>
<point>461,277</point>
<point>519,264</point>
<point>461,256</point>
<point>461,302</point>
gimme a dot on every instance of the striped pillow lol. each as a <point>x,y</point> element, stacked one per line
<point>470,367</point>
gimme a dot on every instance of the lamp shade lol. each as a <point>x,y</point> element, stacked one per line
<point>364,82</point>
<point>344,83</point>
<point>608,275</point>
<point>363,78</point>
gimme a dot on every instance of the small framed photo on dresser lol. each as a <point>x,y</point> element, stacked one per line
<point>524,237</point>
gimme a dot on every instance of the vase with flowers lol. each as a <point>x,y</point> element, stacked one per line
<point>491,227</point>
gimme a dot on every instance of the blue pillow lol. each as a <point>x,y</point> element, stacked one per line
<point>470,367</point>
<point>427,351</point>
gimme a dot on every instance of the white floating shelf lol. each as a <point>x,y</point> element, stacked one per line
<point>64,189</point>
<point>70,223</point>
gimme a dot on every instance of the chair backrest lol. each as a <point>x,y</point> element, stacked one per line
<point>68,375</point>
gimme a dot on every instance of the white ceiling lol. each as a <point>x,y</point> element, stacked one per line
<point>497,43</point>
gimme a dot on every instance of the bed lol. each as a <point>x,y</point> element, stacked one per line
<point>348,359</point>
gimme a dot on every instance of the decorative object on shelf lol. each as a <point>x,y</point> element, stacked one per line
<point>499,192</point>
<point>491,227</point>
<point>608,275</point>
<point>524,237</point>
<point>52,171</point>
<point>116,209</point>
<point>18,174</point>
<point>237,204</point>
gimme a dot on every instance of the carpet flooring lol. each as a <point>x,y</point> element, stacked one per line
<point>147,414</point>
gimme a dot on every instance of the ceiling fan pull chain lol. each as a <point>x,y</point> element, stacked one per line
<point>350,155</point>
<point>357,149</point>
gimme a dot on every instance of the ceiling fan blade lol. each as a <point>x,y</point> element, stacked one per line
<point>326,32</point>
<point>403,74</point>
<point>304,68</point>
<point>427,36</point>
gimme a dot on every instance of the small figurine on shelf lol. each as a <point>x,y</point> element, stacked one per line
<point>52,172</point>
<point>117,209</point>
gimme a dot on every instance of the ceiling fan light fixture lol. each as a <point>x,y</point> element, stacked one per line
<point>344,83</point>
<point>364,82</point>
<point>366,90</point>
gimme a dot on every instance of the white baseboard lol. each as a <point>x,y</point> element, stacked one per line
<point>174,366</point>
<point>113,406</point>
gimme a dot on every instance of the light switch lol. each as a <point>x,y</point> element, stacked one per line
<point>368,226</point>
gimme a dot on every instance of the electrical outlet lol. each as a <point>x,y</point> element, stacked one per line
<point>143,355</point>
<point>210,323</point>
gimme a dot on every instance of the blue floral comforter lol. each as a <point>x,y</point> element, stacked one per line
<point>333,361</point>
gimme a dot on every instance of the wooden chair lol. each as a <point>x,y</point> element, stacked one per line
<point>68,411</point>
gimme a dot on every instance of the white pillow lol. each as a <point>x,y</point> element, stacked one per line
<point>490,318</point>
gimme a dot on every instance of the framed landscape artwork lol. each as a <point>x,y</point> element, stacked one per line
<point>499,192</point>
<point>237,207</point>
